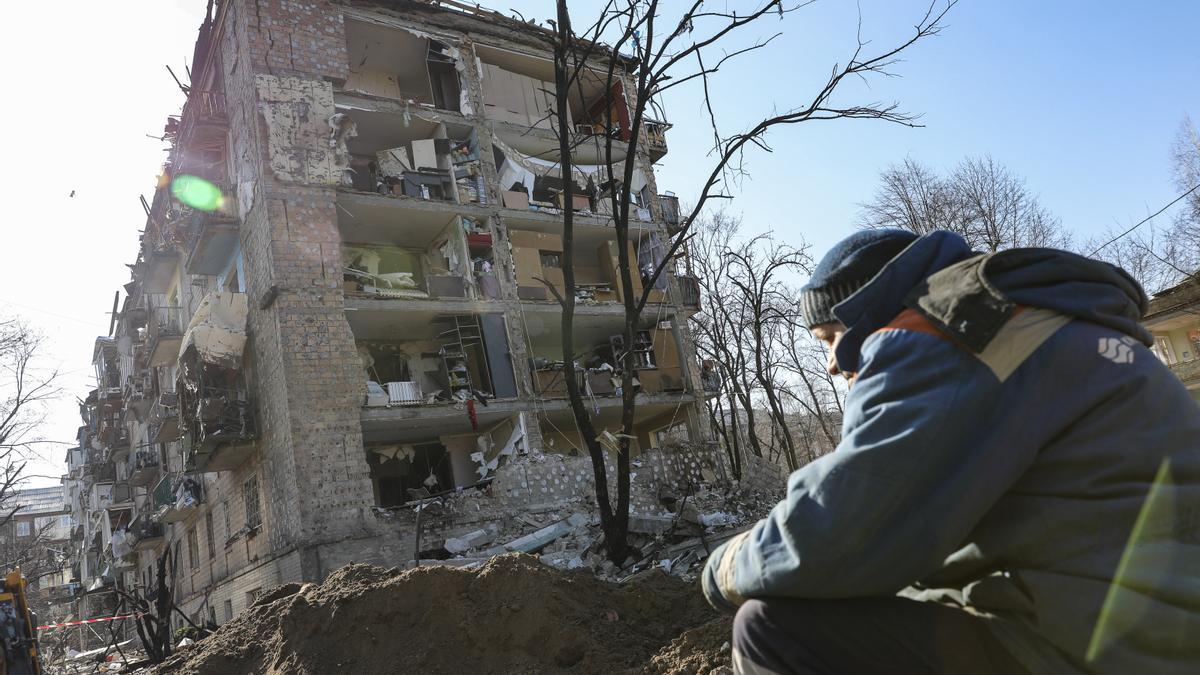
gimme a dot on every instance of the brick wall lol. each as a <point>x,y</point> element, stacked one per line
<point>303,366</point>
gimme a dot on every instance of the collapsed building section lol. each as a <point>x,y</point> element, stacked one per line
<point>339,311</point>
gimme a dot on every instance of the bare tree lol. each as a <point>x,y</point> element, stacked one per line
<point>775,397</point>
<point>25,389</point>
<point>1185,167</point>
<point>1160,258</point>
<point>911,196</point>
<point>980,199</point>
<point>666,52</point>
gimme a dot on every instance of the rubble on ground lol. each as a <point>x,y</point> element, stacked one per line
<point>568,536</point>
<point>510,614</point>
<point>123,657</point>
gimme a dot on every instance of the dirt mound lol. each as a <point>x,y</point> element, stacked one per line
<point>511,615</point>
<point>703,651</point>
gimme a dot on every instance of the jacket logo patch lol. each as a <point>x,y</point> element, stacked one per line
<point>1117,350</point>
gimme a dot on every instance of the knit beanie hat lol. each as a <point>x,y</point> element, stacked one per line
<point>847,267</point>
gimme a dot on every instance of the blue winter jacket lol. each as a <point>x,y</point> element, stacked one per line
<point>1010,445</point>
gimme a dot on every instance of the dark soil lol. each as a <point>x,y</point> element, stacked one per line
<point>511,615</point>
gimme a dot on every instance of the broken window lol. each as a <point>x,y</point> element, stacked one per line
<point>394,63</point>
<point>250,495</point>
<point>386,362</point>
<point>402,473</point>
<point>383,270</point>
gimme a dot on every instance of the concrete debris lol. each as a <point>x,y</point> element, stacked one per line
<point>469,541</point>
<point>537,540</point>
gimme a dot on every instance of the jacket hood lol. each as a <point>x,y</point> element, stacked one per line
<point>882,298</point>
<point>972,299</point>
<point>970,296</point>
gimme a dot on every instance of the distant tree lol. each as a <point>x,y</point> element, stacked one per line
<point>775,400</point>
<point>1185,167</point>
<point>1162,257</point>
<point>25,389</point>
<point>983,201</point>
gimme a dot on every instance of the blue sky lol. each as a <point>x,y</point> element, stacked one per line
<point>1080,98</point>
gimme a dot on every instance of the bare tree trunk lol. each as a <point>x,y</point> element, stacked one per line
<point>657,63</point>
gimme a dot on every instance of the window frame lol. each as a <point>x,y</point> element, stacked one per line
<point>193,545</point>
<point>252,502</point>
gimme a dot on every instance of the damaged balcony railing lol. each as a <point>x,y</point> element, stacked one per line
<point>689,288</point>
<point>210,237</point>
<point>203,119</point>
<point>164,418</point>
<point>144,532</point>
<point>63,593</point>
<point>669,205</point>
<point>220,415</point>
<point>214,405</point>
<point>143,467</point>
<point>100,472</point>
<point>1187,371</point>
<point>176,498</point>
<point>163,335</point>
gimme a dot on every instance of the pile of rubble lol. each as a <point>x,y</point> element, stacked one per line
<point>570,537</point>
<point>510,614</point>
<point>121,657</point>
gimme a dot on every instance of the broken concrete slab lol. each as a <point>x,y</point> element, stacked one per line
<point>535,541</point>
<point>650,524</point>
<point>469,541</point>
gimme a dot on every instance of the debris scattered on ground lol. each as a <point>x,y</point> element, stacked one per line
<point>511,614</point>
<point>124,657</point>
<point>704,649</point>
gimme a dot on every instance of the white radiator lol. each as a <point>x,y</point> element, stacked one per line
<point>403,392</point>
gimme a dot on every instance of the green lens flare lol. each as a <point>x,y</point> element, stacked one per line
<point>197,193</point>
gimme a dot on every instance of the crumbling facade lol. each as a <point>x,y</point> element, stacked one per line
<point>1175,324</point>
<point>338,307</point>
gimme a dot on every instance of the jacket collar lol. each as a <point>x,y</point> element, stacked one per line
<point>882,298</point>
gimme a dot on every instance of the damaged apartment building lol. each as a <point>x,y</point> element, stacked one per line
<point>336,310</point>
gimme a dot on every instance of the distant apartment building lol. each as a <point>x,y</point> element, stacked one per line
<point>1174,320</point>
<point>355,318</point>
<point>35,538</point>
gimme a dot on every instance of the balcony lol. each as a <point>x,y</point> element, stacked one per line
<point>689,288</point>
<point>144,533</point>
<point>656,139</point>
<point>222,431</point>
<point>139,389</point>
<point>669,205</point>
<point>63,593</point>
<point>122,497</point>
<point>1188,372</point>
<point>215,410</point>
<point>164,418</point>
<point>158,269</point>
<point>213,236</point>
<point>115,441</point>
<point>163,336</point>
<point>204,121</point>
<point>143,467</point>
<point>176,498</point>
<point>100,472</point>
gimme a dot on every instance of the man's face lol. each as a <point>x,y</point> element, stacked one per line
<point>830,334</point>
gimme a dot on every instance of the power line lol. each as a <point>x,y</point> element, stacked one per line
<point>1145,220</point>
